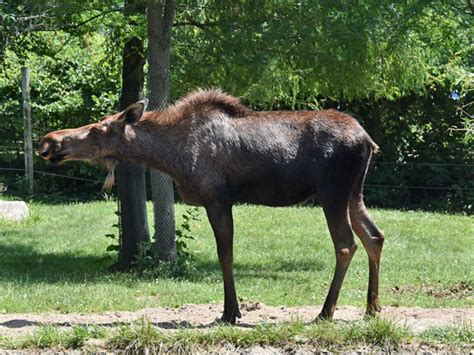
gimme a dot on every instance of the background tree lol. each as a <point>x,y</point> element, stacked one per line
<point>131,177</point>
<point>404,69</point>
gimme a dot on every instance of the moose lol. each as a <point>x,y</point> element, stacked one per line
<point>220,152</point>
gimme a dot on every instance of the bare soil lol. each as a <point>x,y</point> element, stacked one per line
<point>205,315</point>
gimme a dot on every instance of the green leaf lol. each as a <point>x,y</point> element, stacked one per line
<point>113,247</point>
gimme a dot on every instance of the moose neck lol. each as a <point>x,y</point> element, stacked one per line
<point>153,145</point>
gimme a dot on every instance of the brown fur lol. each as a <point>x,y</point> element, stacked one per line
<point>201,101</point>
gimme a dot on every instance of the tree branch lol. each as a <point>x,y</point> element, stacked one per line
<point>196,24</point>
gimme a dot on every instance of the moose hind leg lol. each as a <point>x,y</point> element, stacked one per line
<point>220,217</point>
<point>337,217</point>
<point>372,238</point>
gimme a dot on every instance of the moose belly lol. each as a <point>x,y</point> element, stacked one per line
<point>275,188</point>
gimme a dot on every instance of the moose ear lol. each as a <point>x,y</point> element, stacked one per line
<point>134,112</point>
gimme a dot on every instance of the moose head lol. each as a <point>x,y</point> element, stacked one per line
<point>99,142</point>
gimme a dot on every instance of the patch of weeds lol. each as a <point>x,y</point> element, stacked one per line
<point>50,336</point>
<point>148,267</point>
<point>449,335</point>
<point>79,334</point>
<point>277,335</point>
<point>262,334</point>
<point>138,336</point>
<point>45,337</point>
<point>183,266</point>
<point>143,336</point>
<point>7,343</point>
<point>183,232</point>
<point>378,332</point>
<point>325,334</point>
<point>320,335</point>
<point>114,237</point>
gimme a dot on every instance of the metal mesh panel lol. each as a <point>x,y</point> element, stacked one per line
<point>163,203</point>
<point>160,18</point>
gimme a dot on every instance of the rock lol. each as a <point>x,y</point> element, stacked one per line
<point>13,210</point>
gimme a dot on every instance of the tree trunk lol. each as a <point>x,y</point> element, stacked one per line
<point>377,111</point>
<point>130,177</point>
<point>160,20</point>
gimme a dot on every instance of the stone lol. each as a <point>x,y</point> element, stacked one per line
<point>13,210</point>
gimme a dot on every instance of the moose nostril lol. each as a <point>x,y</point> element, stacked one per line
<point>44,153</point>
<point>45,150</point>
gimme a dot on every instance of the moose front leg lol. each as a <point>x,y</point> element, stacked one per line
<point>220,217</point>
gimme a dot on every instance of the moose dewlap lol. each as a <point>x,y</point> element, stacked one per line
<point>220,152</point>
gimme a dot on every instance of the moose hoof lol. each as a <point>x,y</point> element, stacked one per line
<point>231,318</point>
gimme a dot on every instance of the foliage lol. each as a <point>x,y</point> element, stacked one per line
<point>183,232</point>
<point>423,163</point>
<point>184,264</point>
<point>277,54</point>
<point>403,69</point>
<point>78,84</point>
<point>114,236</point>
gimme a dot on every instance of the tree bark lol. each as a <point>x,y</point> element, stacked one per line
<point>130,177</point>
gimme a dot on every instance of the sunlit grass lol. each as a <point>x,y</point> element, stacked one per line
<point>56,261</point>
<point>142,336</point>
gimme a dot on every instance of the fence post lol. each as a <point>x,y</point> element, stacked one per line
<point>28,139</point>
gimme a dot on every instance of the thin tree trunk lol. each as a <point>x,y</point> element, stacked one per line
<point>160,20</point>
<point>377,111</point>
<point>130,177</point>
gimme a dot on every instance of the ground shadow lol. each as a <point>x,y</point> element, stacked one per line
<point>20,263</point>
<point>170,325</point>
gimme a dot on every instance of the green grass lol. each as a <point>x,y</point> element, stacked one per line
<point>452,334</point>
<point>373,334</point>
<point>56,261</point>
<point>320,335</point>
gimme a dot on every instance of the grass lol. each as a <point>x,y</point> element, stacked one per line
<point>319,335</point>
<point>457,335</point>
<point>56,261</point>
<point>53,337</point>
<point>143,336</point>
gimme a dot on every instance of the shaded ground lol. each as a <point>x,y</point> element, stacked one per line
<point>204,316</point>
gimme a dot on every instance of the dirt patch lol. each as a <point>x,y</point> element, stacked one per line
<point>205,315</point>
<point>461,290</point>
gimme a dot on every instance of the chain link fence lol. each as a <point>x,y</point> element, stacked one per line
<point>159,22</point>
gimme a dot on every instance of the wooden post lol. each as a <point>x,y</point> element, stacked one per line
<point>28,140</point>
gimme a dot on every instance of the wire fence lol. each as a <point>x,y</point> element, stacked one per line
<point>367,185</point>
<point>52,174</point>
<point>439,185</point>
